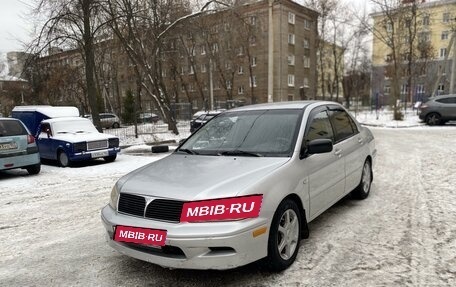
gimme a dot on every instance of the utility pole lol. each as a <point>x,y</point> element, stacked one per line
<point>270,54</point>
<point>453,65</point>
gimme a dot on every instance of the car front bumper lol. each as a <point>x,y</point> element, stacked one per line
<point>88,155</point>
<point>209,245</point>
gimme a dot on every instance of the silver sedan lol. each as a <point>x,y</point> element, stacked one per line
<point>242,188</point>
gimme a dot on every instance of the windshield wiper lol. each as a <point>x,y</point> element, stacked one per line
<point>240,152</point>
<point>186,150</point>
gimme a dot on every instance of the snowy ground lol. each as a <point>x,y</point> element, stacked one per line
<point>404,234</point>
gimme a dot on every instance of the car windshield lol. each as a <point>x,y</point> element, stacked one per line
<point>247,133</point>
<point>74,126</point>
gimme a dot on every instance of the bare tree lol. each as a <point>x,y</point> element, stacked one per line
<point>73,24</point>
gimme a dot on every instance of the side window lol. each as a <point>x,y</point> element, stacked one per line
<point>320,128</point>
<point>343,124</point>
<point>447,100</point>
<point>45,128</point>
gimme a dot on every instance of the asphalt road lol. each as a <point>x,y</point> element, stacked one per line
<point>404,234</point>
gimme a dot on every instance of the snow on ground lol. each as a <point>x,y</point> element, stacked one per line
<point>404,234</point>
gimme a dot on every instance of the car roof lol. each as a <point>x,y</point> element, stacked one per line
<point>282,105</point>
<point>65,119</point>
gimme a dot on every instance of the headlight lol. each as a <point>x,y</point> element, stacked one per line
<point>114,197</point>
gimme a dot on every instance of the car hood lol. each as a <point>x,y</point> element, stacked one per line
<point>81,137</point>
<point>196,177</point>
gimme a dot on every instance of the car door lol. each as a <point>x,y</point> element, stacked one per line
<point>325,172</point>
<point>44,141</point>
<point>348,142</point>
<point>448,107</point>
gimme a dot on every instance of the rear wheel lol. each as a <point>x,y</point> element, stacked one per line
<point>433,119</point>
<point>110,158</point>
<point>33,169</point>
<point>363,189</point>
<point>284,236</point>
<point>63,159</point>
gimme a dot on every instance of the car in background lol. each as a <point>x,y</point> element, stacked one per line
<point>241,188</point>
<point>71,139</point>
<point>109,120</point>
<point>18,148</point>
<point>200,118</point>
<point>438,110</point>
<point>148,118</point>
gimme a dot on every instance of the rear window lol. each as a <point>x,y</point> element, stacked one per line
<point>11,128</point>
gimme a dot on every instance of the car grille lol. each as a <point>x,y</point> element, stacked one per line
<point>159,209</point>
<point>97,145</point>
<point>132,204</point>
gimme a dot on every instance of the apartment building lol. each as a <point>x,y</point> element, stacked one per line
<point>422,45</point>
<point>260,51</point>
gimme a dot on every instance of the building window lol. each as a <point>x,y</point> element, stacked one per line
<point>441,88</point>
<point>252,40</point>
<point>445,35</point>
<point>241,51</point>
<point>426,20</point>
<point>386,89</point>
<point>227,27</point>
<point>404,89</point>
<point>291,60</point>
<point>190,70</point>
<point>183,88</point>
<point>290,97</point>
<point>424,37</point>
<point>254,61</point>
<point>389,27</point>
<point>443,52</point>
<point>306,43</point>
<point>215,48</point>
<point>190,88</point>
<point>203,68</point>
<point>420,89</point>
<point>253,82</point>
<point>203,49</point>
<point>305,83</point>
<point>240,70</point>
<point>182,70</point>
<point>306,61</point>
<point>253,20</point>
<point>307,24</point>
<point>227,65</point>
<point>228,84</point>
<point>291,18</point>
<point>291,39</point>
<point>446,17</point>
<point>291,80</point>
<point>241,90</point>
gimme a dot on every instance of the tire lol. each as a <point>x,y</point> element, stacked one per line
<point>364,186</point>
<point>115,125</point>
<point>284,236</point>
<point>110,158</point>
<point>33,169</point>
<point>63,159</point>
<point>433,119</point>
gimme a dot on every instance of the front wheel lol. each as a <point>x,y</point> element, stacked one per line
<point>284,236</point>
<point>63,159</point>
<point>110,158</point>
<point>433,119</point>
<point>363,189</point>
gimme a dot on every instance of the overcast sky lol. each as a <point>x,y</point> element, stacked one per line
<point>14,26</point>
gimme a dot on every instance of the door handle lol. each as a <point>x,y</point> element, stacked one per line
<point>338,152</point>
<point>360,140</point>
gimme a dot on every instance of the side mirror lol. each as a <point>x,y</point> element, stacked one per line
<point>318,146</point>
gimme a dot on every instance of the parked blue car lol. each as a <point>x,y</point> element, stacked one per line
<point>64,136</point>
<point>18,148</point>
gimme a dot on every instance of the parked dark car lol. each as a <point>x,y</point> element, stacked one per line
<point>18,148</point>
<point>438,110</point>
<point>148,118</point>
<point>201,118</point>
